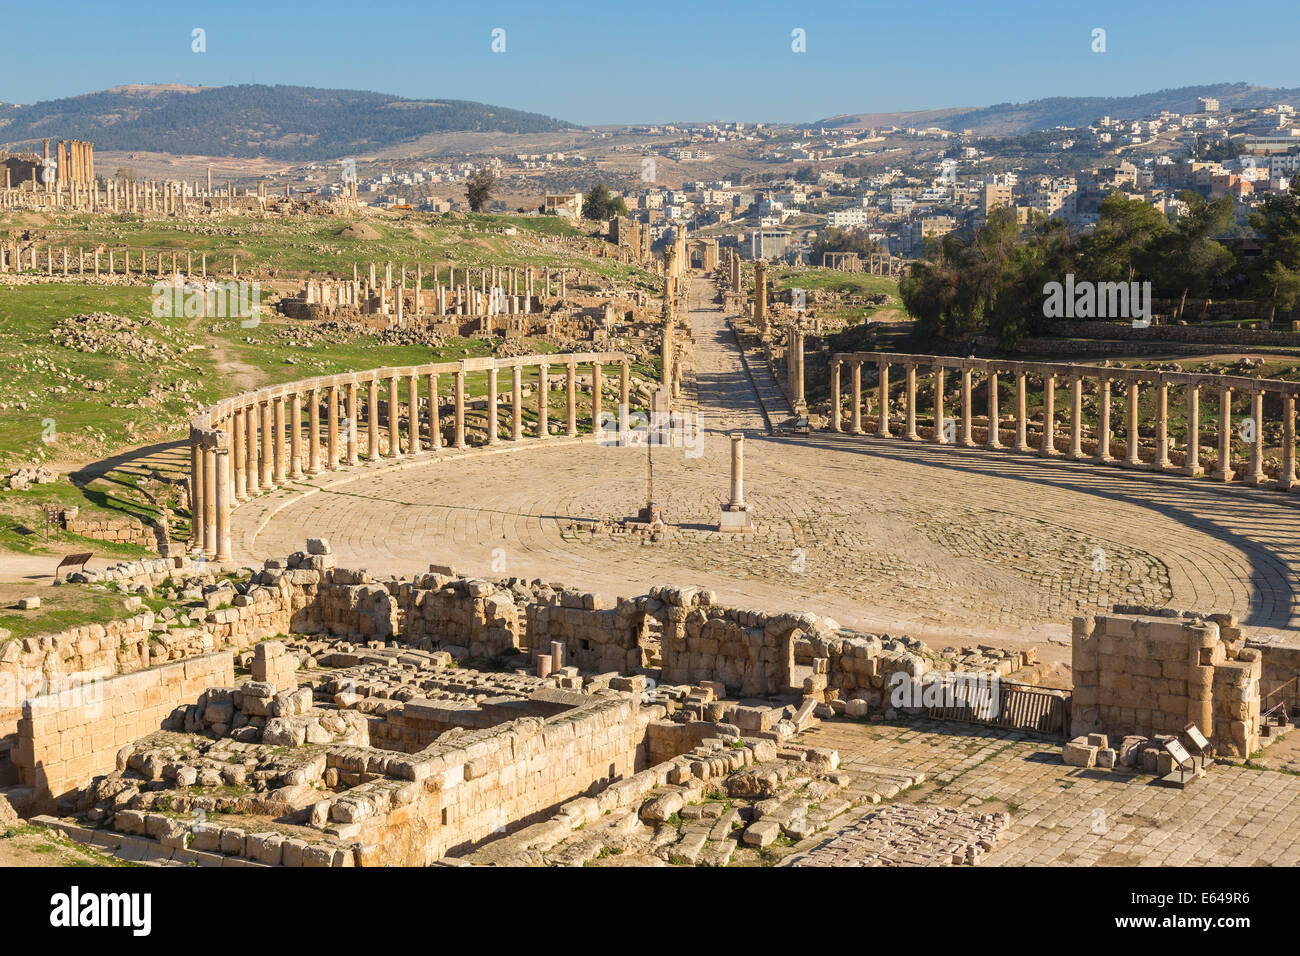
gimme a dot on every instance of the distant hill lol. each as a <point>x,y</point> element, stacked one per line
<point>277,122</point>
<point>1006,119</point>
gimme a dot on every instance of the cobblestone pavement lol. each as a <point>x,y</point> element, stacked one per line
<point>1062,815</point>
<point>879,534</point>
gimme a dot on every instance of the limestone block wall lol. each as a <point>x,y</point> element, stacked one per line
<point>123,530</point>
<point>480,782</point>
<point>596,638</point>
<point>470,613</point>
<point>1154,675</point>
<point>66,739</point>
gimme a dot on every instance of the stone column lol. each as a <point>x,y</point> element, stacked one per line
<point>237,444</point>
<point>413,411</point>
<point>1256,477</point>
<point>354,418</point>
<point>1134,457</point>
<point>966,439</point>
<point>597,383</point>
<point>460,408</point>
<point>1022,412</point>
<point>543,401</point>
<point>313,431</point>
<point>196,491</point>
<point>250,459</point>
<point>268,446</point>
<point>295,435</point>
<point>372,418</point>
<point>435,424</point>
<point>1223,471</point>
<point>993,439</point>
<point>1076,417</point>
<point>1103,422</point>
<point>800,404</point>
<point>1162,426</point>
<point>882,420</point>
<point>855,397</point>
<point>332,427</point>
<point>492,406</point>
<point>1048,447</point>
<point>279,458</point>
<point>1192,466</point>
<point>571,399</point>
<point>835,395</point>
<point>223,503</point>
<point>737,471</point>
<point>1286,477</point>
<point>394,436</point>
<point>937,436</point>
<point>209,498</point>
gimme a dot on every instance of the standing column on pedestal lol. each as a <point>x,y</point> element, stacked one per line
<point>1192,466</point>
<point>332,427</point>
<point>571,399</point>
<point>492,406</point>
<point>237,445</point>
<point>909,394</point>
<point>313,431</point>
<point>737,516</point>
<point>435,422</point>
<point>1048,447</point>
<point>372,419</point>
<point>1076,417</point>
<point>597,383</point>
<point>855,396</point>
<point>460,408</point>
<point>281,456</point>
<point>413,411</point>
<point>1162,426</point>
<point>516,403</point>
<point>1103,422</point>
<point>268,446</point>
<point>994,437</point>
<point>543,401</point>
<point>354,418</point>
<point>295,435</point>
<point>1256,476</point>
<point>1286,477</point>
<point>966,439</point>
<point>1134,457</point>
<point>939,435</point>
<point>222,459</point>
<point>209,497</point>
<point>1022,411</point>
<point>250,458</point>
<point>835,395</point>
<point>1223,471</point>
<point>882,417</point>
<point>196,491</point>
<point>394,410</point>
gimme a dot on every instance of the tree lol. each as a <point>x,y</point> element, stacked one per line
<point>1127,241</point>
<point>478,189</point>
<point>598,204</point>
<point>1191,258</point>
<point>1278,221</point>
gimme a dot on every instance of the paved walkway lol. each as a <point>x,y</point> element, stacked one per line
<point>1069,816</point>
<point>946,543</point>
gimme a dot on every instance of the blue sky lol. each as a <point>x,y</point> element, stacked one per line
<point>658,61</point>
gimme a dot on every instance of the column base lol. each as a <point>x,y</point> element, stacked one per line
<point>1165,465</point>
<point>1191,471</point>
<point>1077,455</point>
<point>966,443</point>
<point>1222,475</point>
<point>1255,480</point>
<point>1288,484</point>
<point>1133,463</point>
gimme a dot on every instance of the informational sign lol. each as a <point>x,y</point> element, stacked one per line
<point>1197,738</point>
<point>1178,752</point>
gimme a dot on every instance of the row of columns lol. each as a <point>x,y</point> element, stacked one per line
<point>960,432</point>
<point>261,442</point>
<point>15,258</point>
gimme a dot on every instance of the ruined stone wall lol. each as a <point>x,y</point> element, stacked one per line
<point>473,614</point>
<point>481,782</point>
<point>67,738</point>
<point>1154,675</point>
<point>121,530</point>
